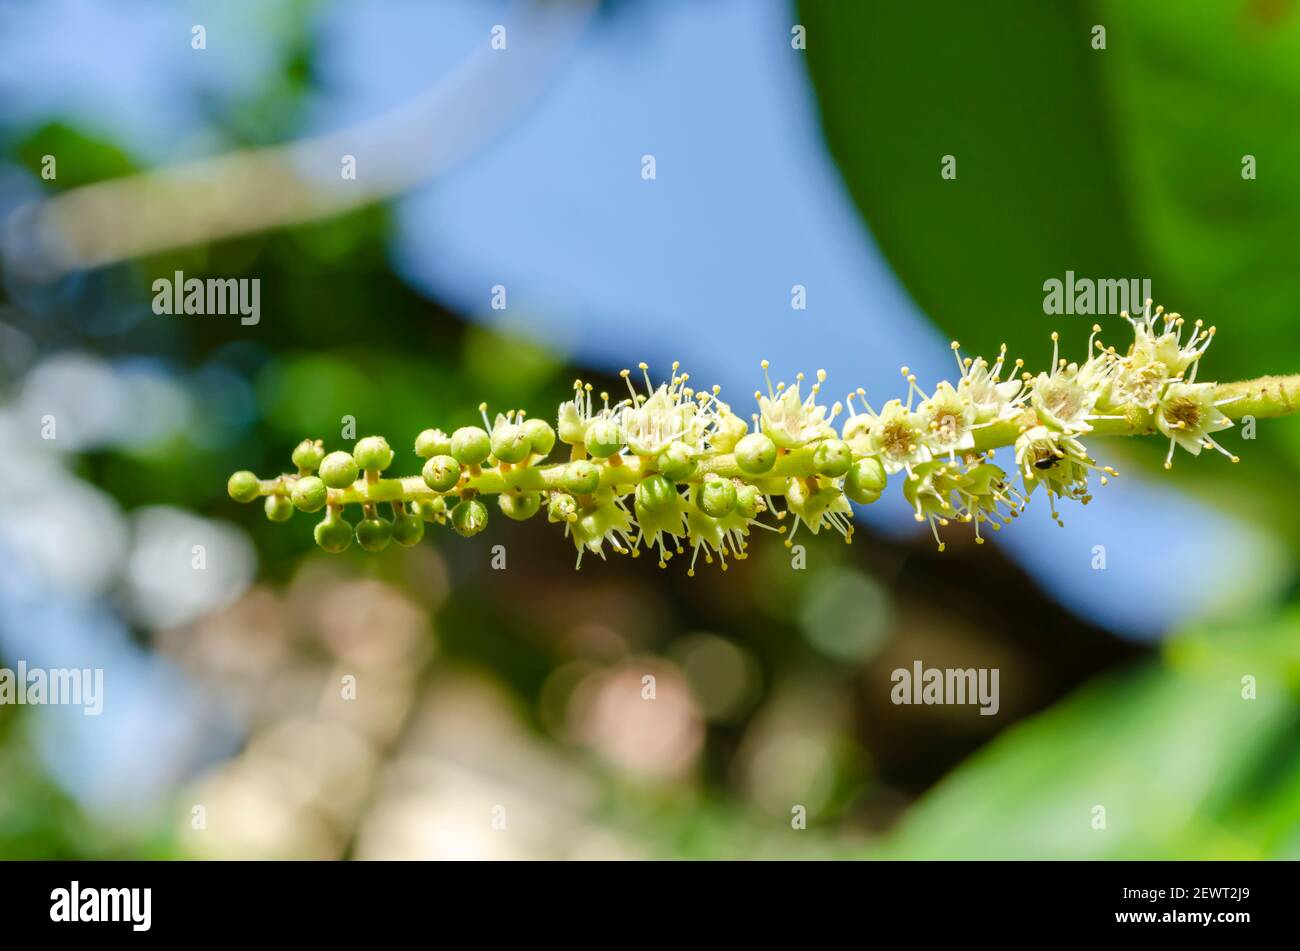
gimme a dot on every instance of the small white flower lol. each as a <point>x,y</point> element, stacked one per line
<point>992,398</point>
<point>898,436</point>
<point>789,420</point>
<point>948,419</point>
<point>1187,414</point>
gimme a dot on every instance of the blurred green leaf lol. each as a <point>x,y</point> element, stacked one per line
<point>1184,766</point>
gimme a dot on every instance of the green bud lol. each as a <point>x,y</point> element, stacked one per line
<point>865,481</point>
<point>520,506</point>
<point>470,516</point>
<point>374,534</point>
<point>729,431</point>
<point>470,445</point>
<point>716,497</point>
<point>308,454</point>
<point>431,510</point>
<point>243,486</point>
<point>338,470</point>
<point>561,507</point>
<point>603,438</point>
<point>373,454</point>
<point>408,530</point>
<point>581,477</point>
<point>749,501</point>
<point>432,442</point>
<point>510,443</point>
<point>278,508</point>
<point>756,454</point>
<point>656,493</point>
<point>540,435</point>
<point>832,458</point>
<point>333,533</point>
<point>310,494</point>
<point>441,473</point>
<point>676,461</point>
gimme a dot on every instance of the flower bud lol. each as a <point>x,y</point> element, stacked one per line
<point>373,454</point>
<point>865,481</point>
<point>756,454</point>
<point>470,445</point>
<point>278,508</point>
<point>519,506</point>
<point>676,461</point>
<point>432,442</point>
<point>656,493</point>
<point>338,470</point>
<point>243,486</point>
<point>749,501</point>
<point>729,431</point>
<point>540,435</point>
<point>581,477</point>
<point>470,516</point>
<point>431,510</point>
<point>310,494</point>
<point>716,497</point>
<point>510,443</point>
<point>832,458</point>
<point>307,455</point>
<point>408,530</point>
<point>441,473</point>
<point>333,533</point>
<point>374,534</point>
<point>603,438</point>
<point>561,507</point>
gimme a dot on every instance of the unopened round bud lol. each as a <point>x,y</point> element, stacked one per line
<point>243,486</point>
<point>470,445</point>
<point>374,534</point>
<point>469,517</point>
<point>307,455</point>
<point>865,480</point>
<point>431,510</point>
<point>676,461</point>
<point>333,533</point>
<point>373,454</point>
<point>604,438</point>
<point>408,530</point>
<point>656,493</point>
<point>520,506</point>
<point>540,435</point>
<point>561,507</point>
<point>432,442</point>
<point>749,501</point>
<point>716,497</point>
<point>756,454</point>
<point>278,508</point>
<point>581,477</point>
<point>338,470</point>
<point>510,443</point>
<point>309,494</point>
<point>832,458</point>
<point>441,473</point>
<point>729,431</point>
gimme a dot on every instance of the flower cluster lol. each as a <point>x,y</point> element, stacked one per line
<point>673,470</point>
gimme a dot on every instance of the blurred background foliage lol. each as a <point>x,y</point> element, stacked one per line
<point>521,688</point>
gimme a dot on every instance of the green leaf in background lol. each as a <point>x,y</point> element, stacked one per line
<point>1115,163</point>
<point>1184,765</point>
